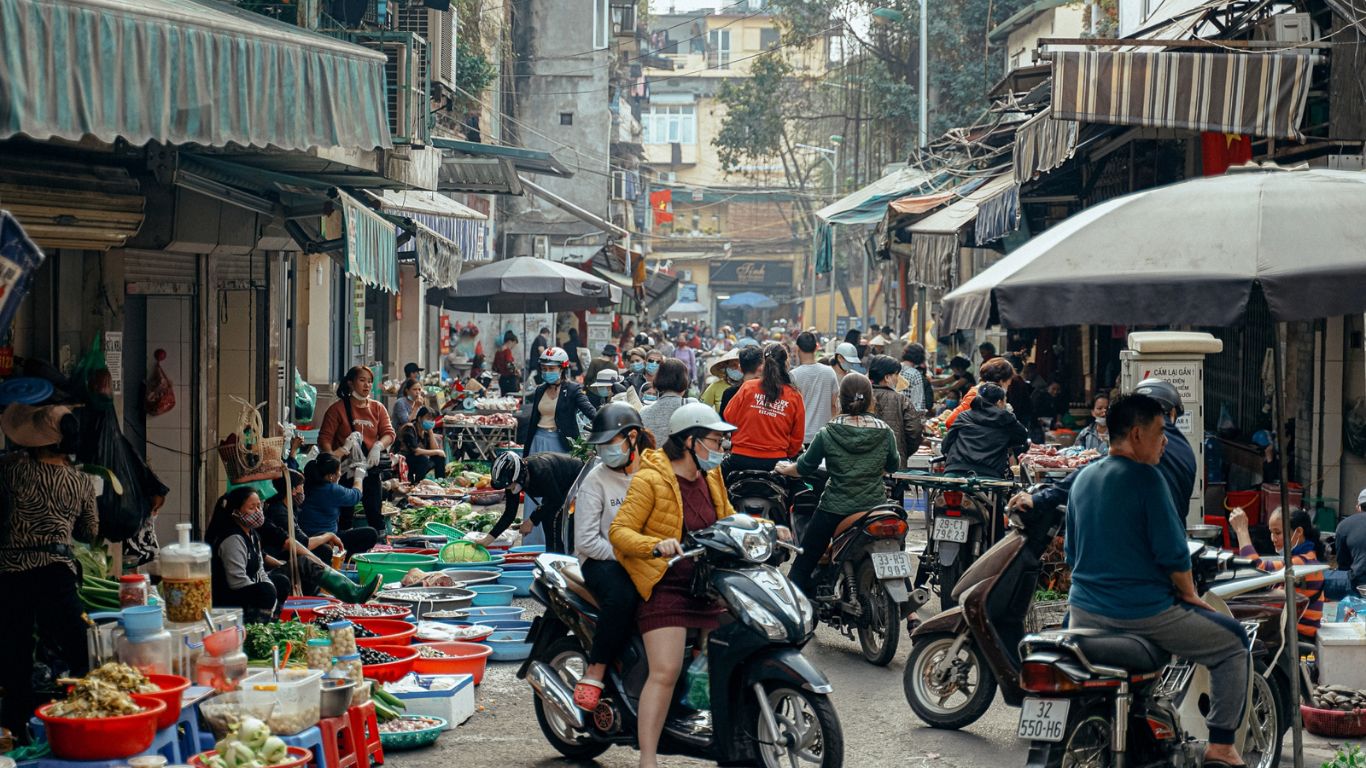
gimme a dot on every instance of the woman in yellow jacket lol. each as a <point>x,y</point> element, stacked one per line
<point>677,490</point>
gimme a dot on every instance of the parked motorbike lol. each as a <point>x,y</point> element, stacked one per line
<point>964,521</point>
<point>960,656</point>
<point>769,704</point>
<point>1104,698</point>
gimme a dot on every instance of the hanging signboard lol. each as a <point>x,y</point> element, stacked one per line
<point>113,359</point>
<point>771,274</point>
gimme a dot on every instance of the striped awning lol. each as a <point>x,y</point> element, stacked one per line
<point>371,245</point>
<point>464,226</point>
<point>1043,143</point>
<point>994,206</point>
<point>183,72</point>
<point>438,258</point>
<point>1253,94</point>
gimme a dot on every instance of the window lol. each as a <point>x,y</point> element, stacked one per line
<point>718,49</point>
<point>669,124</point>
<point>602,24</point>
<point>769,37</point>
<point>566,118</point>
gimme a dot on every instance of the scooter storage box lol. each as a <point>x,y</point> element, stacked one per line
<point>454,704</point>
<point>1342,654</point>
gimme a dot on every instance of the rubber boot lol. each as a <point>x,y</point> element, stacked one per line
<point>345,589</point>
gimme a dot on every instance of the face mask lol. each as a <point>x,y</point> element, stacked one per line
<point>603,393</point>
<point>251,519</point>
<point>361,396</point>
<point>428,424</point>
<point>652,367</point>
<point>712,461</point>
<point>614,456</point>
<point>734,375</point>
<point>649,398</point>
<point>637,367</point>
<point>550,377</point>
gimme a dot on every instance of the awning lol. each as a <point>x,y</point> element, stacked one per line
<point>616,278</point>
<point>183,72</point>
<point>1043,143</point>
<point>568,207</point>
<point>524,160</point>
<point>370,245</point>
<point>464,226</point>
<point>1256,94</point>
<point>869,204</point>
<point>916,204</point>
<point>423,201</point>
<point>483,176</point>
<point>998,198</point>
<point>438,258</point>
<point>686,308</point>
<point>934,260</point>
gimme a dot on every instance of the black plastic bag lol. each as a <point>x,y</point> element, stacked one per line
<point>103,444</point>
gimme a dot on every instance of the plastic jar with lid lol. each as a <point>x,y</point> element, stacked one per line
<point>186,577</point>
<point>343,635</point>
<point>350,665</point>
<point>318,653</point>
<point>132,590</point>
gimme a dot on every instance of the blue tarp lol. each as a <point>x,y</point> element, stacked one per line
<point>19,259</point>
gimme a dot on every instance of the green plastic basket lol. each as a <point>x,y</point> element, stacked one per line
<point>441,529</point>
<point>413,739</point>
<point>393,566</point>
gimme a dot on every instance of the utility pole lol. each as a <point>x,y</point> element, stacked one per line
<point>922,127</point>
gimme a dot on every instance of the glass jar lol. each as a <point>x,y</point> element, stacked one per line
<point>186,577</point>
<point>132,590</point>
<point>343,635</point>
<point>318,653</point>
<point>349,665</point>
<point>148,653</point>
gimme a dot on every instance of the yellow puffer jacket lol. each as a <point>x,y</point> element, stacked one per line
<point>653,512</point>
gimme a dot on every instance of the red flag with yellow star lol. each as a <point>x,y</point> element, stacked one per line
<point>661,203</point>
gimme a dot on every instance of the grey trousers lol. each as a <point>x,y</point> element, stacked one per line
<point>1210,639</point>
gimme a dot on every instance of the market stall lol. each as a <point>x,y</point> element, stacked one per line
<point>482,428</point>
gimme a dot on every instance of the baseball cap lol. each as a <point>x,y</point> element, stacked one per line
<point>849,354</point>
<point>411,368</point>
<point>609,349</point>
<point>1361,497</point>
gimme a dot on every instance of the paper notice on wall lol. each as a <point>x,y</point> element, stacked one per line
<point>113,357</point>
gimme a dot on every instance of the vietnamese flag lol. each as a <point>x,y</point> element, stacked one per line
<point>660,203</point>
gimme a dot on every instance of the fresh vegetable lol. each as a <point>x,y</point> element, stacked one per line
<point>387,705</point>
<point>261,638</point>
<point>274,751</point>
<point>253,732</point>
<point>247,744</point>
<point>464,552</point>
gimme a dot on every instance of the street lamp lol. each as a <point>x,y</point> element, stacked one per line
<point>893,15</point>
<point>830,156</point>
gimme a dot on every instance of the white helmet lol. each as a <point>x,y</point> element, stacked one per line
<point>696,414</point>
<point>554,356</point>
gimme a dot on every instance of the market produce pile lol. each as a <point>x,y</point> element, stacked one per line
<point>1040,457</point>
<point>262,638</point>
<point>104,693</point>
<point>370,657</point>
<point>1338,697</point>
<point>409,724</point>
<point>460,515</point>
<point>248,744</point>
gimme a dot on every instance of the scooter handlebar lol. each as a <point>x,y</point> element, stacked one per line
<point>792,547</point>
<point>687,553</point>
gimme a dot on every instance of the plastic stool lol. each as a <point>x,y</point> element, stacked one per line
<point>312,740</point>
<point>339,742</point>
<point>166,743</point>
<point>365,734</point>
<point>188,732</point>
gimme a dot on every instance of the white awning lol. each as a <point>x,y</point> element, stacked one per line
<point>423,201</point>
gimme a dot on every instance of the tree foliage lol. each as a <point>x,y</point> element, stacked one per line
<point>756,114</point>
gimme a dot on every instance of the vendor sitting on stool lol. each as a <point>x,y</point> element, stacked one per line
<point>314,571</point>
<point>421,447</point>
<point>240,579</point>
<point>324,500</point>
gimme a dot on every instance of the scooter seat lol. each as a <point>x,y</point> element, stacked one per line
<point>574,578</point>
<point>1104,647</point>
<point>848,522</point>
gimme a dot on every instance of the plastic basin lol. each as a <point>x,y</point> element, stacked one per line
<point>352,611</point>
<point>298,757</point>
<point>491,594</point>
<point>441,529</point>
<point>103,738</point>
<point>387,632</point>
<point>172,689</point>
<point>478,615</point>
<point>393,670</point>
<point>490,564</point>
<point>466,659</point>
<point>303,608</point>
<point>529,548</point>
<point>520,581</point>
<point>518,567</point>
<point>221,711</point>
<point>391,565</point>
<point>443,598</point>
<point>423,737</point>
<point>466,576</point>
<point>514,649</point>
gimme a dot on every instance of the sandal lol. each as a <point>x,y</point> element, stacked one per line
<point>586,694</point>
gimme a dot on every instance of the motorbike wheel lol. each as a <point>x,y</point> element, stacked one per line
<point>879,627</point>
<point>1086,745</point>
<point>567,658</point>
<point>1266,720</point>
<point>948,579</point>
<point>808,730</point>
<point>930,697</point>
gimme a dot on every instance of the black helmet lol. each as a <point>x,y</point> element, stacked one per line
<point>612,420</point>
<point>506,470</point>
<point>1163,392</point>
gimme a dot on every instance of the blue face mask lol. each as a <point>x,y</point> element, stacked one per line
<point>734,374</point>
<point>637,367</point>
<point>712,461</point>
<point>649,398</point>
<point>614,456</point>
<point>428,424</point>
<point>550,377</point>
<point>652,367</point>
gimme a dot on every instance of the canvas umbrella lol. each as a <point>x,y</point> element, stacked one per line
<point>525,284</point>
<point>1191,253</point>
<point>749,300</point>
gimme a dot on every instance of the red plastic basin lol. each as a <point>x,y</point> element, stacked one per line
<point>103,738</point>
<point>298,757</point>
<point>172,689</point>
<point>393,670</point>
<point>387,631</point>
<point>466,659</point>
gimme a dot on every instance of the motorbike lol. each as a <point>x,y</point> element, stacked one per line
<point>964,521</point>
<point>960,656</point>
<point>768,495</point>
<point>1104,698</point>
<point>768,703</point>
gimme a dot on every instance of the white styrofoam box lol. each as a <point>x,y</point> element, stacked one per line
<point>1342,654</point>
<point>455,704</point>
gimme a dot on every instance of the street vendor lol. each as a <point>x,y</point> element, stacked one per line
<point>309,551</point>
<point>1095,436</point>
<point>48,502</point>
<point>546,479</point>
<point>240,578</point>
<point>356,412</point>
<point>421,446</point>
<point>326,500</point>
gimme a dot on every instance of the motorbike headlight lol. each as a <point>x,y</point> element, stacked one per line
<point>757,617</point>
<point>757,544</point>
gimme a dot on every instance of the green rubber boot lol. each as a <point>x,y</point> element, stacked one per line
<point>345,589</point>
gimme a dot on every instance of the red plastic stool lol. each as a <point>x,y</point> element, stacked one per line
<point>365,735</point>
<point>339,742</point>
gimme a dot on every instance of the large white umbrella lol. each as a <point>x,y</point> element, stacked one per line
<point>526,284</point>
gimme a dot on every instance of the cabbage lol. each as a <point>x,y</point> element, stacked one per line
<point>253,732</point>
<point>274,751</point>
<point>239,755</point>
<point>464,552</point>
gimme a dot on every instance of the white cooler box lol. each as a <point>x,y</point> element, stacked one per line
<point>1342,654</point>
<point>454,704</point>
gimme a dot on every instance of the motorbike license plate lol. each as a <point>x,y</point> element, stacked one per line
<point>891,565</point>
<point>1043,719</point>
<point>951,529</point>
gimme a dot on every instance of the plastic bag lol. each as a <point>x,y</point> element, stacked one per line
<point>698,694</point>
<point>102,443</point>
<point>160,397</point>
<point>90,363</point>
<point>305,399</point>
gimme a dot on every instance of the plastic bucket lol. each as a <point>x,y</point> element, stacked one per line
<point>1250,501</point>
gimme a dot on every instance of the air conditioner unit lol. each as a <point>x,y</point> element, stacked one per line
<point>685,275</point>
<point>618,185</point>
<point>1287,28</point>
<point>404,94</point>
<point>438,30</point>
<point>540,246</point>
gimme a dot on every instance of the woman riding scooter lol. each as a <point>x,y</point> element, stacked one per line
<point>984,436</point>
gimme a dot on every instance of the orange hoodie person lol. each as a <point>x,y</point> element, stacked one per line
<point>768,413</point>
<point>996,371</point>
